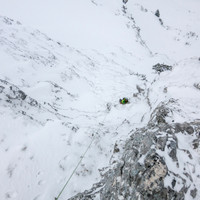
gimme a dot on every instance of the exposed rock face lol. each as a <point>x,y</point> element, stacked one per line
<point>125,1</point>
<point>157,13</point>
<point>11,96</point>
<point>151,166</point>
<point>161,68</point>
<point>197,85</point>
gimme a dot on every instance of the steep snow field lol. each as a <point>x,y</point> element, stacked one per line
<point>64,65</point>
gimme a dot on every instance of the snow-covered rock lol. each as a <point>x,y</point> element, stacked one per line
<point>56,100</point>
<point>159,161</point>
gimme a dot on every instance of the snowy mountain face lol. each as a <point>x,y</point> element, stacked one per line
<point>59,98</point>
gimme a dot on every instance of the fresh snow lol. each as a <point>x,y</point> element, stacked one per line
<point>77,59</point>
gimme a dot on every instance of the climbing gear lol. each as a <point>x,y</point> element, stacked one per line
<point>81,158</point>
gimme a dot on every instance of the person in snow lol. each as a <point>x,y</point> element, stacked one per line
<point>123,101</point>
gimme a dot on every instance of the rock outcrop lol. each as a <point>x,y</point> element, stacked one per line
<point>161,68</point>
<point>155,163</point>
<point>21,104</point>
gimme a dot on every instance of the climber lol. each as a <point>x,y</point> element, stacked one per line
<point>123,101</point>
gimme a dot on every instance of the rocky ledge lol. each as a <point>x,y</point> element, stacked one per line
<point>158,163</point>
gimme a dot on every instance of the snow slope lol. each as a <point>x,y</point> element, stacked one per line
<point>73,93</point>
<point>56,96</point>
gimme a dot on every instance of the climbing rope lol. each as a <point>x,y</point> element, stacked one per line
<point>79,161</point>
<point>81,158</point>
